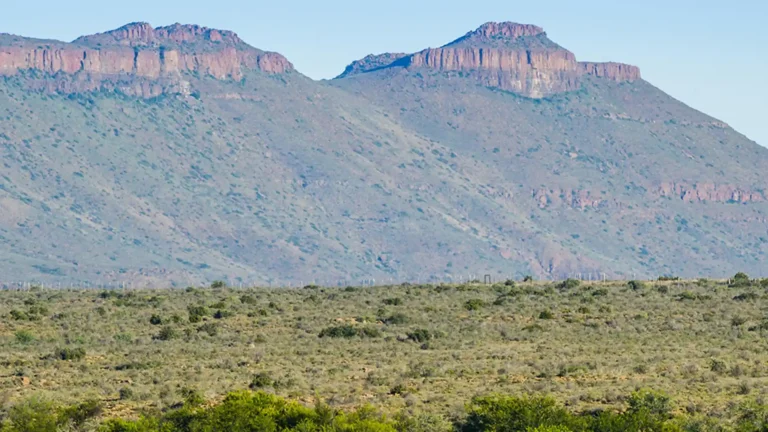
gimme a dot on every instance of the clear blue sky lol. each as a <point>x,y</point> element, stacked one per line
<point>712,55</point>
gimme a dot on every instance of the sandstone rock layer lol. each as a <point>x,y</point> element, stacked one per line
<point>514,57</point>
<point>136,54</point>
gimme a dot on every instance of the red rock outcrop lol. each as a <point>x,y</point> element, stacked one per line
<point>510,56</point>
<point>614,71</point>
<point>709,192</point>
<point>532,73</point>
<point>139,52</point>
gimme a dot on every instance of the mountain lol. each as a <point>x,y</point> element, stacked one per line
<point>181,154</point>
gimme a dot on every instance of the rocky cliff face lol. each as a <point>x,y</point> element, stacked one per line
<point>513,57</point>
<point>614,71</point>
<point>709,192</point>
<point>136,59</point>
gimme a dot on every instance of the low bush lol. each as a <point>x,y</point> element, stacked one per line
<point>474,304</point>
<point>420,335</point>
<point>349,331</point>
<point>221,314</point>
<point>248,299</point>
<point>747,296</point>
<point>197,313</point>
<point>740,280</point>
<point>396,319</point>
<point>210,329</point>
<point>70,354</point>
<point>24,337</point>
<point>166,333</point>
<point>546,315</point>
<point>261,380</point>
<point>126,393</point>
<point>569,284</point>
<point>247,411</point>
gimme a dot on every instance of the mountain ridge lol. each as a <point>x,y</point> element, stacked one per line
<point>136,59</point>
<point>495,154</point>
<point>506,55</point>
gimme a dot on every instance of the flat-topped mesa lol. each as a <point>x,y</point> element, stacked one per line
<point>508,29</point>
<point>176,35</point>
<point>137,59</point>
<point>499,31</point>
<point>515,57</point>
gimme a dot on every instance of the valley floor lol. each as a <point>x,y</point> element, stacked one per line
<point>415,348</point>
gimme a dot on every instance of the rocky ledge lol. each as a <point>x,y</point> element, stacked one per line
<point>510,56</point>
<point>136,59</point>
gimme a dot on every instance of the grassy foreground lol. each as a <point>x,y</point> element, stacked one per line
<point>402,349</point>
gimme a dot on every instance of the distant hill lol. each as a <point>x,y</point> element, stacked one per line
<point>182,155</point>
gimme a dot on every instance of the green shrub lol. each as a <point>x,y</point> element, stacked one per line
<point>18,315</point>
<point>398,389</point>
<point>248,299</point>
<point>261,380</point>
<point>718,366</point>
<point>80,413</point>
<point>512,414</point>
<point>738,321</point>
<point>569,284</point>
<point>420,335</point>
<point>654,402</point>
<point>221,314</point>
<point>126,393</point>
<point>740,280</point>
<point>24,337</point>
<point>218,284</point>
<point>549,429</point>
<point>396,319</point>
<point>636,285</point>
<point>210,329</point>
<point>393,301</point>
<point>474,304</point>
<point>349,331</point>
<point>166,333</point>
<point>370,332</point>
<point>546,315</point>
<point>197,313</point>
<point>748,296</point>
<point>192,398</point>
<point>342,331</point>
<point>70,354</point>
<point>155,320</point>
<point>687,295</point>
<point>33,415</point>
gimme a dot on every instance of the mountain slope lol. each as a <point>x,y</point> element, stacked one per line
<point>616,171</point>
<point>184,155</point>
